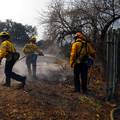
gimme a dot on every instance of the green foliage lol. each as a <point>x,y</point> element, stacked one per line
<point>19,33</point>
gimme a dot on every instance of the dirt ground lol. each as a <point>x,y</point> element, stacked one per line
<point>43,101</point>
<point>55,100</point>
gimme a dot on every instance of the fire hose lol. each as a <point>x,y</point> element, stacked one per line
<point>112,113</point>
<point>20,60</point>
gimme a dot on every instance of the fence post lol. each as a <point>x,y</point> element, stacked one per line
<point>111,64</point>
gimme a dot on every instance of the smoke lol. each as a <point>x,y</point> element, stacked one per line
<point>20,67</point>
<point>46,67</point>
<point>55,50</point>
<point>50,67</point>
<point>53,69</point>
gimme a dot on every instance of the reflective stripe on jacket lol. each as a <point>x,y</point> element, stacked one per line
<point>76,48</point>
<point>6,47</point>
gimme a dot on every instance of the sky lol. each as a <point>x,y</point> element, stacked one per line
<point>23,11</point>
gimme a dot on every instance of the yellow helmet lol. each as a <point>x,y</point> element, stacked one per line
<point>4,34</point>
<point>33,39</point>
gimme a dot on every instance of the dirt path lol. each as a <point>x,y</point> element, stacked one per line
<point>49,97</point>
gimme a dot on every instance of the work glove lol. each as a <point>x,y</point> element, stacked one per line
<point>41,54</point>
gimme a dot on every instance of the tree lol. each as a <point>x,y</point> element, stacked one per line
<point>19,33</point>
<point>92,17</point>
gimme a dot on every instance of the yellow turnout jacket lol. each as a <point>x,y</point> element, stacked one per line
<point>31,48</point>
<point>6,47</point>
<point>76,48</point>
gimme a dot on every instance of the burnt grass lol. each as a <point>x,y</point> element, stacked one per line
<point>43,99</point>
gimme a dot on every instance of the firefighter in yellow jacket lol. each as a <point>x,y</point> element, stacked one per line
<point>81,52</point>
<point>8,51</point>
<point>30,50</point>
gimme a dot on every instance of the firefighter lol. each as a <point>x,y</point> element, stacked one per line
<point>81,51</point>
<point>31,50</point>
<point>8,51</point>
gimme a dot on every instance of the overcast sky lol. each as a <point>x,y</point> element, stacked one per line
<point>23,11</point>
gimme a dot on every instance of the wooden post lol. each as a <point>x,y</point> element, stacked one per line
<point>111,60</point>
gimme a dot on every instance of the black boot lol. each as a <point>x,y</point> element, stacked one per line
<point>6,85</point>
<point>24,81</point>
<point>22,85</point>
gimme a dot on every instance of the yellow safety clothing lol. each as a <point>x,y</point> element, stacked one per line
<point>33,37</point>
<point>4,34</point>
<point>31,48</point>
<point>6,47</point>
<point>80,35</point>
<point>76,48</point>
